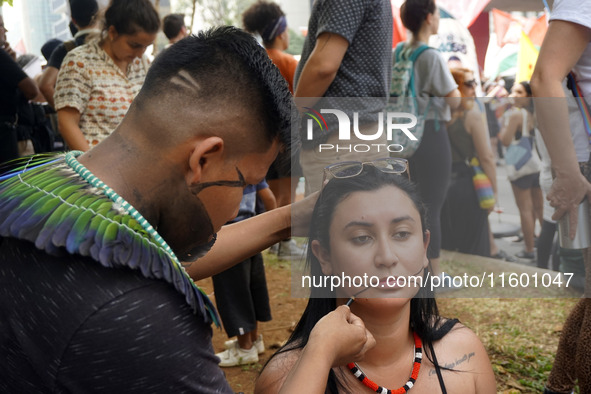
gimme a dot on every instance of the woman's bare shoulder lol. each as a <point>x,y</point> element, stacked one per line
<point>459,338</point>
<point>275,372</point>
<point>461,351</point>
<point>472,118</point>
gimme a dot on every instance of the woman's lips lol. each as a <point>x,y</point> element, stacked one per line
<point>388,282</point>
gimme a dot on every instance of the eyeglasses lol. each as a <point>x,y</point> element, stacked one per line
<point>195,189</point>
<point>470,84</point>
<point>349,169</point>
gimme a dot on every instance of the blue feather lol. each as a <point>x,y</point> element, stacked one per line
<point>78,231</point>
<point>122,251</point>
<point>137,252</point>
<point>146,263</point>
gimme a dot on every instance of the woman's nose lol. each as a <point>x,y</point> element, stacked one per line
<point>386,254</point>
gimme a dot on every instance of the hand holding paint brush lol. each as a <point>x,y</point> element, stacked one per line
<point>350,301</point>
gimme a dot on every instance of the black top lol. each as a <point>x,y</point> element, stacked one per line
<point>365,69</point>
<point>60,52</point>
<point>10,76</point>
<point>462,144</point>
<point>68,324</point>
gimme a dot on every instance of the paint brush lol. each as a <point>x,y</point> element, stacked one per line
<point>350,301</point>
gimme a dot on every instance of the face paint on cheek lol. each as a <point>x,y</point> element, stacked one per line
<point>200,234</point>
<point>195,189</point>
<point>201,225</point>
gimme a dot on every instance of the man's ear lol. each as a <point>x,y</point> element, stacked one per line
<point>207,154</point>
<point>323,257</point>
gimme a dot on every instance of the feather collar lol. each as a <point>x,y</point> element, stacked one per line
<point>46,202</point>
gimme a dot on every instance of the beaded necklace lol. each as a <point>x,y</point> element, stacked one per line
<point>117,199</point>
<point>359,374</point>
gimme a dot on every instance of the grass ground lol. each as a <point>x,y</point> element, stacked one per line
<point>520,334</point>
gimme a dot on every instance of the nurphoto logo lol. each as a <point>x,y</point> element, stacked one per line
<point>394,121</point>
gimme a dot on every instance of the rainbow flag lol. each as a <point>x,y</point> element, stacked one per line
<point>526,59</point>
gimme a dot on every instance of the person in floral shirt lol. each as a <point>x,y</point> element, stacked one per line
<point>98,81</point>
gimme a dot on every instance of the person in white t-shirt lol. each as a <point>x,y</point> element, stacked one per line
<point>570,22</point>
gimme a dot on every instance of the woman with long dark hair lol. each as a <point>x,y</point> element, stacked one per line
<point>369,222</point>
<point>520,123</point>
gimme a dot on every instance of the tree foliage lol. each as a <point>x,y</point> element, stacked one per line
<point>213,12</point>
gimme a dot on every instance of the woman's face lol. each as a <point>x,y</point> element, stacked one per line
<point>284,37</point>
<point>468,88</point>
<point>375,235</point>
<point>519,95</point>
<point>126,47</point>
<point>436,19</point>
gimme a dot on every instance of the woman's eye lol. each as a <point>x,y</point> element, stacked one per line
<point>402,235</point>
<point>361,239</point>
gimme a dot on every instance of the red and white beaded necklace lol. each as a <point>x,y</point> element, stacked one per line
<point>359,374</point>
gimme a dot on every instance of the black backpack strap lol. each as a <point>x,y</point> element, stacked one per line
<point>69,45</point>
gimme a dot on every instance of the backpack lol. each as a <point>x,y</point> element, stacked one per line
<point>571,84</point>
<point>403,98</point>
<point>34,125</point>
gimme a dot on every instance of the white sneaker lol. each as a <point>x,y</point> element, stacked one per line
<point>274,249</point>
<point>289,250</point>
<point>258,344</point>
<point>237,356</point>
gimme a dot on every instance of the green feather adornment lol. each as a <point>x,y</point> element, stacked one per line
<point>78,233</point>
<point>45,202</point>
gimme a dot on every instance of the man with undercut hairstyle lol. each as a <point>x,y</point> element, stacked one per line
<point>93,296</point>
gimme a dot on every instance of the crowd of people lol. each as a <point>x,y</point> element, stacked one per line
<point>185,168</point>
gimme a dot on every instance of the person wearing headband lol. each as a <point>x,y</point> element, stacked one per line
<point>267,20</point>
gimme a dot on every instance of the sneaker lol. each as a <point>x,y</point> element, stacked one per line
<point>526,255</point>
<point>274,249</point>
<point>289,250</point>
<point>237,356</point>
<point>258,344</point>
<point>502,255</point>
